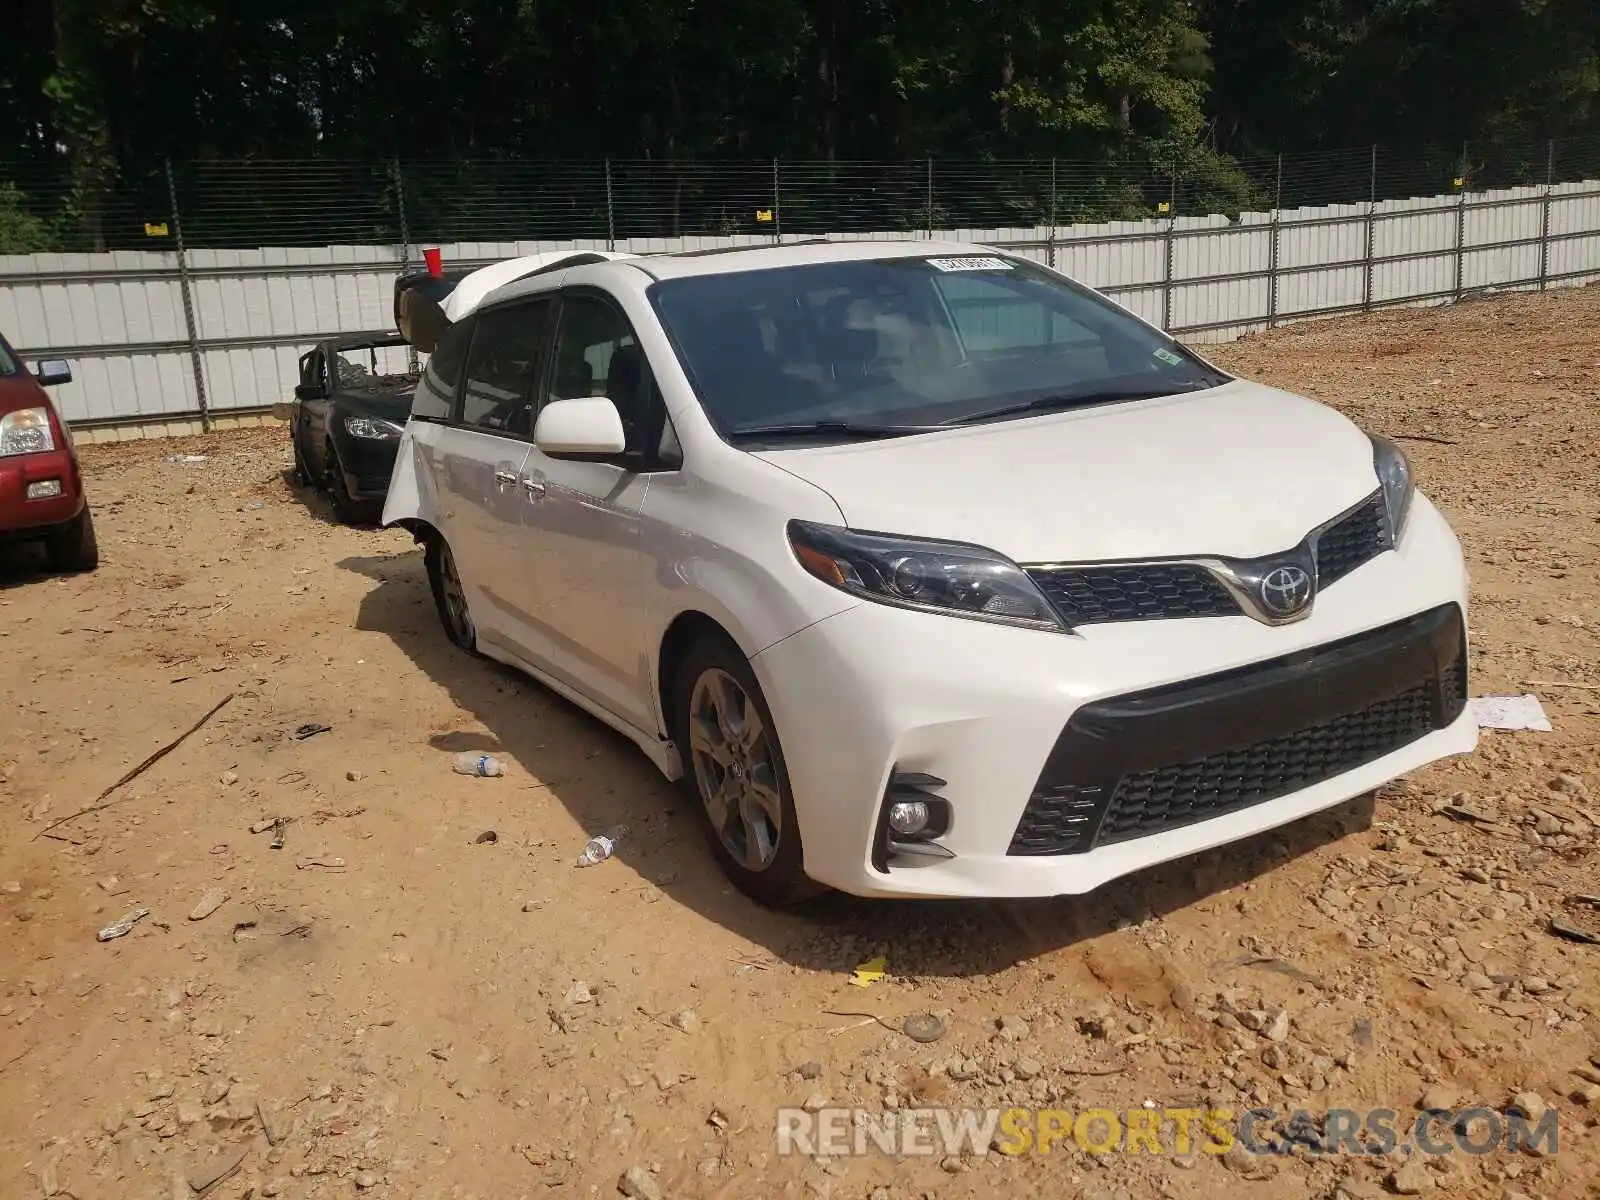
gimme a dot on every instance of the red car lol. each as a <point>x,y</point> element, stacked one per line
<point>41,488</point>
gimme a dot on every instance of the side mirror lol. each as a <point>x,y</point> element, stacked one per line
<point>53,371</point>
<point>310,391</point>
<point>584,427</point>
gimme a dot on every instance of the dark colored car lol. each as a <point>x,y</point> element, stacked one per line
<point>346,421</point>
<point>41,488</point>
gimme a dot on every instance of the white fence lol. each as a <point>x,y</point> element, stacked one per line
<point>143,357</point>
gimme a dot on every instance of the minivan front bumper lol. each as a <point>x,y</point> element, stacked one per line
<point>1070,760</point>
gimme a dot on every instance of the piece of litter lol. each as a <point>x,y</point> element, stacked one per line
<point>117,928</point>
<point>1510,712</point>
<point>217,1168</point>
<point>210,900</point>
<point>487,837</point>
<point>870,972</point>
<point>310,730</point>
<point>333,864</point>
<point>264,825</point>
<point>1574,933</point>
<point>280,827</point>
<point>1278,966</point>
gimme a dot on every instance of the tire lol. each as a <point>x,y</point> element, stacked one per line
<point>755,841</point>
<point>345,506</point>
<point>302,472</point>
<point>449,596</point>
<point>74,547</point>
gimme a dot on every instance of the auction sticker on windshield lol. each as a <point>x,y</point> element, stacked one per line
<point>969,264</point>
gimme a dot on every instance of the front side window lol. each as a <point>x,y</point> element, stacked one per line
<point>597,355</point>
<point>8,363</point>
<point>506,361</point>
<point>906,343</point>
<point>436,394</point>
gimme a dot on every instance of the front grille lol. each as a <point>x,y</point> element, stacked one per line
<point>1358,537</point>
<point>1090,594</point>
<point>1085,595</point>
<point>1154,761</point>
<point>1170,797</point>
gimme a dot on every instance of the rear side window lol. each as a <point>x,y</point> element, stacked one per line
<point>507,359</point>
<point>436,394</point>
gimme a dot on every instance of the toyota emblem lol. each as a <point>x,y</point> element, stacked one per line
<point>1286,590</point>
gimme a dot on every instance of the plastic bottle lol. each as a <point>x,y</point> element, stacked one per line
<point>478,764</point>
<point>601,847</point>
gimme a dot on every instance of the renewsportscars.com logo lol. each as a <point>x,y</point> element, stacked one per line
<point>912,1132</point>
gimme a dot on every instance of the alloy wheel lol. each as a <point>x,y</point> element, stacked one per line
<point>455,598</point>
<point>734,769</point>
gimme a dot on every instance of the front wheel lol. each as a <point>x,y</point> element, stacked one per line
<point>345,506</point>
<point>448,594</point>
<point>302,470</point>
<point>735,775</point>
<point>74,546</point>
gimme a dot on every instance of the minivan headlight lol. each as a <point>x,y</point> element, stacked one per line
<point>939,577</point>
<point>26,431</point>
<point>1394,473</point>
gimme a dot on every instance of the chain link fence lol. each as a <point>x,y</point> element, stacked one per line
<point>250,203</point>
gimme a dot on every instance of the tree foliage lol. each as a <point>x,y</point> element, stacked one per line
<point>97,93</point>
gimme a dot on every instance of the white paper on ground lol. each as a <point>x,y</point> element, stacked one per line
<point>1510,712</point>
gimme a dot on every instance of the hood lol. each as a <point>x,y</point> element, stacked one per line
<point>391,405</point>
<point>1239,471</point>
<point>21,390</point>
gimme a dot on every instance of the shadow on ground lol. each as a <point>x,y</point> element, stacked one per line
<point>315,500</point>
<point>614,784</point>
<point>23,562</point>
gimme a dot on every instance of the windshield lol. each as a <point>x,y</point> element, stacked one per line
<point>909,342</point>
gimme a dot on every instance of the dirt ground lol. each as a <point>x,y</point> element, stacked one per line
<point>390,1006</point>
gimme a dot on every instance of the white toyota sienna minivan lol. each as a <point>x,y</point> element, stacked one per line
<point>928,570</point>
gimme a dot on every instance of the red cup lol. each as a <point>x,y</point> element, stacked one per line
<point>435,261</point>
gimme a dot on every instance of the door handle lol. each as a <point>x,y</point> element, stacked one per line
<point>536,488</point>
<point>506,476</point>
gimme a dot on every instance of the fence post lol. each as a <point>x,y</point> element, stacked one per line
<point>611,213</point>
<point>1172,224</point>
<point>777,206</point>
<point>1272,252</point>
<point>1051,243</point>
<point>1544,220</point>
<point>930,198</point>
<point>1372,222</point>
<point>188,302</point>
<point>413,363</point>
<point>1461,220</point>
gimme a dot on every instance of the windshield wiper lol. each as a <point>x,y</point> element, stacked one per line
<point>863,429</point>
<point>1064,400</point>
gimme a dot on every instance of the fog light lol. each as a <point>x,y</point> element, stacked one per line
<point>44,489</point>
<point>909,817</point>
